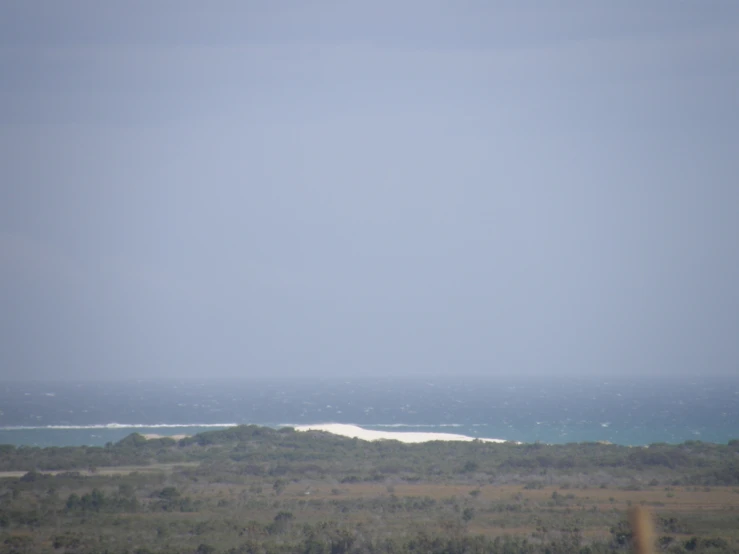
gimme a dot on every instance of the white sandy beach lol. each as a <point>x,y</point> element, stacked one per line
<point>149,436</point>
<point>353,431</point>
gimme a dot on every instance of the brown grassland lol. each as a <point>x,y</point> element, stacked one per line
<point>255,490</point>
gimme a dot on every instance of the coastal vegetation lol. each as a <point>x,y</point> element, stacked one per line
<point>257,489</point>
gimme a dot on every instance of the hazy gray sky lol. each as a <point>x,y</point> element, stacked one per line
<point>345,188</point>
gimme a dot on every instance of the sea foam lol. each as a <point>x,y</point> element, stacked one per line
<point>116,426</point>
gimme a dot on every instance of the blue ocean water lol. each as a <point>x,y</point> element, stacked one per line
<point>526,410</point>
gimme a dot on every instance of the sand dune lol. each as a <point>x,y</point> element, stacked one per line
<point>354,431</point>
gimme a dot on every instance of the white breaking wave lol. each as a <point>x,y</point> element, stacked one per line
<point>118,426</point>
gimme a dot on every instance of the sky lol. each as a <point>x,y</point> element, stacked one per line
<point>245,189</point>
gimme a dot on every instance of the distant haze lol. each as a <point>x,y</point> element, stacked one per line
<point>341,188</point>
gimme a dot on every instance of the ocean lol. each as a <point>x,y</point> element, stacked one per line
<point>629,412</point>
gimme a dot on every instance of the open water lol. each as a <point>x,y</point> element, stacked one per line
<point>526,410</point>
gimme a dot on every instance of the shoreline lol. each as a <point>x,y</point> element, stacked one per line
<point>101,434</point>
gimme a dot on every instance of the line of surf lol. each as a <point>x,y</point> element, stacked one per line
<point>116,426</point>
<point>354,431</point>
